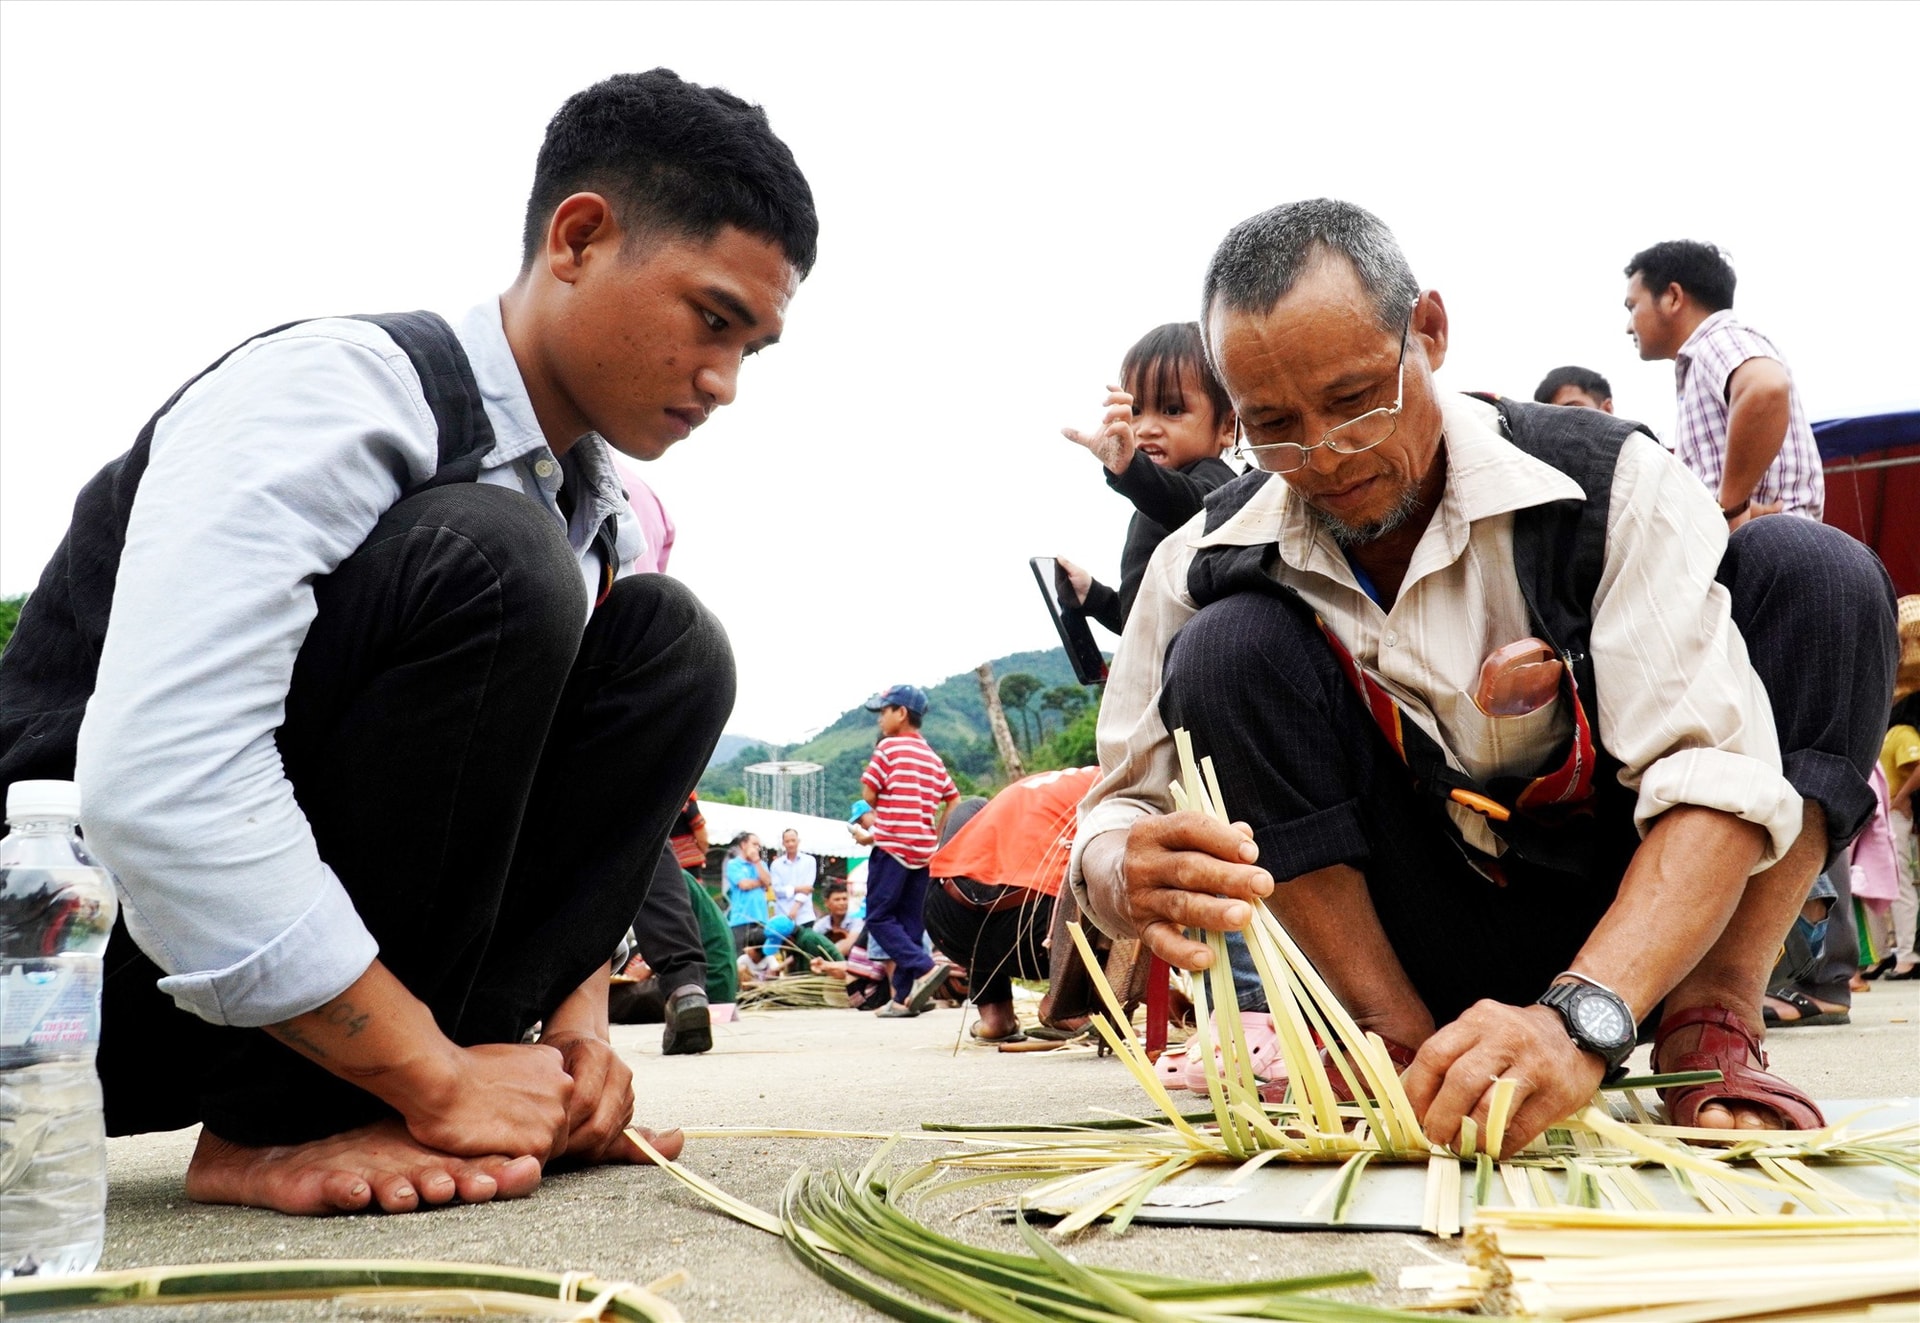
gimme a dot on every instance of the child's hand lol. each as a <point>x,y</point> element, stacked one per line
<point>1081,581</point>
<point>1112,442</point>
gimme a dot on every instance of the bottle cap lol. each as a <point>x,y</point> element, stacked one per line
<point>43,799</point>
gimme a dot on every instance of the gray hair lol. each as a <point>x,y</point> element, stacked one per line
<point>1264,256</point>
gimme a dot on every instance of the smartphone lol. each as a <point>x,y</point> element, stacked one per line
<point>1069,621</point>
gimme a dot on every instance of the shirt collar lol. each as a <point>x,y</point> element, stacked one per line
<point>1684,355</point>
<point>1487,475</point>
<point>516,432</point>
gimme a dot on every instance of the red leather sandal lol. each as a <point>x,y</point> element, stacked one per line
<point>1728,1046</point>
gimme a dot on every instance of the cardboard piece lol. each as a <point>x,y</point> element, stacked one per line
<point>1391,1196</point>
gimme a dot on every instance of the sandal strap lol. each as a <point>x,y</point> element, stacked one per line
<point>1709,1017</point>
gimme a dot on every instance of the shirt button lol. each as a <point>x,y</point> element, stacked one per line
<point>1393,639</point>
<point>544,468</point>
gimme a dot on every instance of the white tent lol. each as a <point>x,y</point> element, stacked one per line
<point>818,836</point>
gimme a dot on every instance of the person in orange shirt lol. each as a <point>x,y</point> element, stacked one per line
<point>995,880</point>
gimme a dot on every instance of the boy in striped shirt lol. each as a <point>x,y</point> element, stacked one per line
<point>911,793</point>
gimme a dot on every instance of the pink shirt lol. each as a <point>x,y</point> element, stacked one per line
<point>1876,872</point>
<point>1700,373</point>
<point>653,520</point>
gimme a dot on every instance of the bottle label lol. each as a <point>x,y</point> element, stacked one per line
<point>50,1004</point>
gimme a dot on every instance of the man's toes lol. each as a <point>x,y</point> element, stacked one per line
<point>1715,1116</point>
<point>341,1192</point>
<point>435,1185</point>
<point>513,1179</point>
<point>1756,1118</point>
<point>396,1194</point>
<point>474,1186</point>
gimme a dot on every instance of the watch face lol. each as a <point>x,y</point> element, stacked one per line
<point>1600,1020</point>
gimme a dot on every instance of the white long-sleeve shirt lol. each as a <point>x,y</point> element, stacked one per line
<point>1679,703</point>
<point>265,476</point>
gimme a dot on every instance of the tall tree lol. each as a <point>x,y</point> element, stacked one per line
<point>1065,701</point>
<point>997,721</point>
<point>1017,692</point>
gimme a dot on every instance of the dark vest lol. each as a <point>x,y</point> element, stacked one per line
<point>1559,552</point>
<point>48,670</point>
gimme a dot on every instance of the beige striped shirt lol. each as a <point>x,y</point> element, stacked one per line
<point>1679,703</point>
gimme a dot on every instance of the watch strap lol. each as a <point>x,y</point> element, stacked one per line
<point>1559,997</point>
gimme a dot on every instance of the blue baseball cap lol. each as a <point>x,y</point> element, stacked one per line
<point>779,929</point>
<point>911,697</point>
<point>859,810</point>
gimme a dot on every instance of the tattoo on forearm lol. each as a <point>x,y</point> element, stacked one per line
<point>342,1015</point>
<point>293,1038</point>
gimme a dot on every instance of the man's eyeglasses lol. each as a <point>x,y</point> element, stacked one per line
<point>1349,438</point>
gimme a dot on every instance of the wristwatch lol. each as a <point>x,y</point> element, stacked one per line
<point>1598,1020</point>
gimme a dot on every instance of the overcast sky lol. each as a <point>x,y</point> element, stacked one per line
<point>1009,195</point>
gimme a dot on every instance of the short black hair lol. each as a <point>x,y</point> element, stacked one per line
<point>674,157</point>
<point>1585,379</point>
<point>913,718</point>
<point>1152,369</point>
<point>1702,270</point>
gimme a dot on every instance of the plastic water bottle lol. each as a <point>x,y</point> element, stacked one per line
<point>56,912</point>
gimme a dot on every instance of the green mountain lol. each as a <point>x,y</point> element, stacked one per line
<point>956,726</point>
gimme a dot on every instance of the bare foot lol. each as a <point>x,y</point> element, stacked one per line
<point>378,1165</point>
<point>667,1143</point>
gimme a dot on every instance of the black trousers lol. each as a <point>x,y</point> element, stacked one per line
<point>665,930</point>
<point>490,772</point>
<point>997,948</point>
<point>1252,678</point>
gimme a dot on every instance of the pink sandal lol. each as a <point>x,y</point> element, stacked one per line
<point>1263,1045</point>
<point>1728,1046</point>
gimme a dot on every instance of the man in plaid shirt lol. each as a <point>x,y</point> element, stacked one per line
<point>1742,428</point>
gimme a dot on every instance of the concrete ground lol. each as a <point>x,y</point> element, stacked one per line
<point>825,1069</point>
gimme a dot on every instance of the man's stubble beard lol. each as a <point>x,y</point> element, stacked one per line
<point>1358,535</point>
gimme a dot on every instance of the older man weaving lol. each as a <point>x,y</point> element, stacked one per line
<point>1535,751</point>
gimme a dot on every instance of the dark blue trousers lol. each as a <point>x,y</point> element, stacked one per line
<point>1254,681</point>
<point>896,905</point>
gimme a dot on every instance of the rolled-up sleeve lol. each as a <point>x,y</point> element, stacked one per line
<point>267,475</point>
<point>1137,758</point>
<point>1680,704</point>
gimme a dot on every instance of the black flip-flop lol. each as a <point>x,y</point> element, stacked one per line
<point>1810,1010</point>
<point>1055,1035</point>
<point>973,1032</point>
